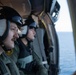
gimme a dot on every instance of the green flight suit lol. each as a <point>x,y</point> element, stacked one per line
<point>27,60</point>
<point>14,55</point>
<point>9,65</point>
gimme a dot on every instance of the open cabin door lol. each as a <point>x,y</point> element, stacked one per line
<point>46,44</point>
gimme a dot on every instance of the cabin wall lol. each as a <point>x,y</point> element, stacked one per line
<point>38,44</point>
<point>72,10</point>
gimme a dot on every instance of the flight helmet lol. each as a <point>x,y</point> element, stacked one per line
<point>7,15</point>
<point>29,24</point>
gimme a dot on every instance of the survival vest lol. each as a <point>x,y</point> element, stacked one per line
<point>7,66</point>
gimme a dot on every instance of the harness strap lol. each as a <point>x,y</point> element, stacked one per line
<point>23,61</point>
<point>13,68</point>
<point>3,69</point>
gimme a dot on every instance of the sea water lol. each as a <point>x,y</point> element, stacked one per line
<point>67,53</point>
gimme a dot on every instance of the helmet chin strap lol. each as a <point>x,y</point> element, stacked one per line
<point>4,47</point>
<point>28,40</point>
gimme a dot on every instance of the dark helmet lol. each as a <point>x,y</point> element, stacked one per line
<point>29,24</point>
<point>7,15</point>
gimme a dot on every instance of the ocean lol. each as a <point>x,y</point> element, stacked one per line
<point>67,53</point>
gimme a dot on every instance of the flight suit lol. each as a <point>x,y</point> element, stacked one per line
<point>9,67</point>
<point>14,55</point>
<point>29,62</point>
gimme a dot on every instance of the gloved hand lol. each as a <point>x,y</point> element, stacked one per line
<point>32,67</point>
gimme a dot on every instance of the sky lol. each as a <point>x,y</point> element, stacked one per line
<point>64,23</point>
